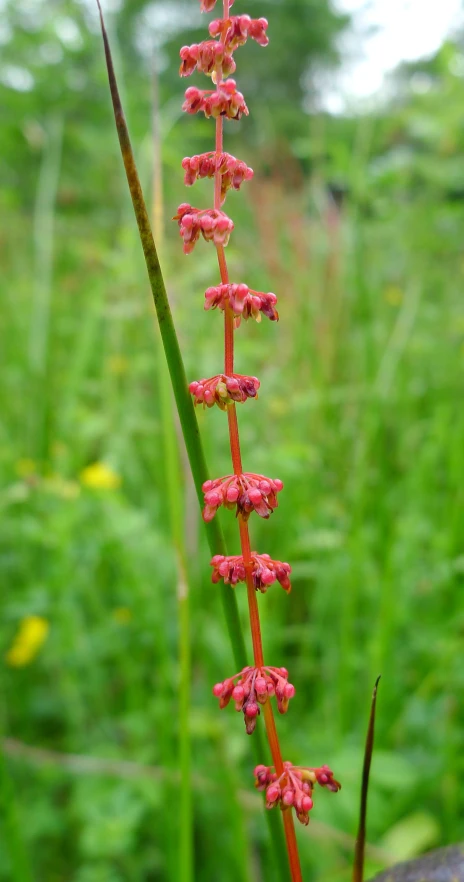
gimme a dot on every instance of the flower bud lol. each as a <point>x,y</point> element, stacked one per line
<point>272,794</point>
<point>238,693</point>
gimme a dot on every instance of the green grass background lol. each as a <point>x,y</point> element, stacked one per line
<point>359,414</point>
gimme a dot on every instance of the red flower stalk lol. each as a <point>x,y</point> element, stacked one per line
<point>286,785</point>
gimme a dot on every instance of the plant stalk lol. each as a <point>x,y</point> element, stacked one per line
<point>185,409</point>
<point>234,440</point>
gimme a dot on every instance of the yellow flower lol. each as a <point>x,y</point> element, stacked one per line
<point>31,635</point>
<point>100,476</point>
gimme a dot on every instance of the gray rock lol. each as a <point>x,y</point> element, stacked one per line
<point>442,865</point>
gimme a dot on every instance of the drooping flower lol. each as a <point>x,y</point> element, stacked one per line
<point>213,56</point>
<point>207,58</point>
<point>234,31</point>
<point>252,687</point>
<point>213,224</point>
<point>233,171</point>
<point>247,492</point>
<point>264,571</point>
<point>226,101</point>
<point>223,390</point>
<point>244,302</point>
<point>294,787</point>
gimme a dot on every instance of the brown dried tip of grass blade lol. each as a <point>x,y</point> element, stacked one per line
<point>358,865</point>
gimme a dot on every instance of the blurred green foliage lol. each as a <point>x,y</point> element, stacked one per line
<point>356,223</point>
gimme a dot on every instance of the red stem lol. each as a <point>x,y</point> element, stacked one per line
<point>292,847</point>
<point>255,626</point>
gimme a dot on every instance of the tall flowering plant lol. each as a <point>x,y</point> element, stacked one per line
<point>252,688</point>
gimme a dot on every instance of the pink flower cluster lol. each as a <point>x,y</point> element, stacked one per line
<point>206,58</point>
<point>247,492</point>
<point>293,787</point>
<point>214,225</point>
<point>252,687</point>
<point>264,571</point>
<point>223,389</point>
<point>234,31</point>
<point>226,101</point>
<point>213,56</point>
<point>233,171</point>
<point>244,302</point>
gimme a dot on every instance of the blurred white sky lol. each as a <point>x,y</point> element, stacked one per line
<point>386,32</point>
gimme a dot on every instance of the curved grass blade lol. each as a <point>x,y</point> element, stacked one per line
<point>184,403</point>
<point>358,866</point>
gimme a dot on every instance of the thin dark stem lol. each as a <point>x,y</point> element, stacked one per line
<point>358,866</point>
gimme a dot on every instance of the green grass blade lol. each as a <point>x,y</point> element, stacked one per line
<point>10,822</point>
<point>42,289</point>
<point>175,495</point>
<point>172,350</point>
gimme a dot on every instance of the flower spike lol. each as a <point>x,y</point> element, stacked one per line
<point>247,492</point>
<point>250,688</point>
